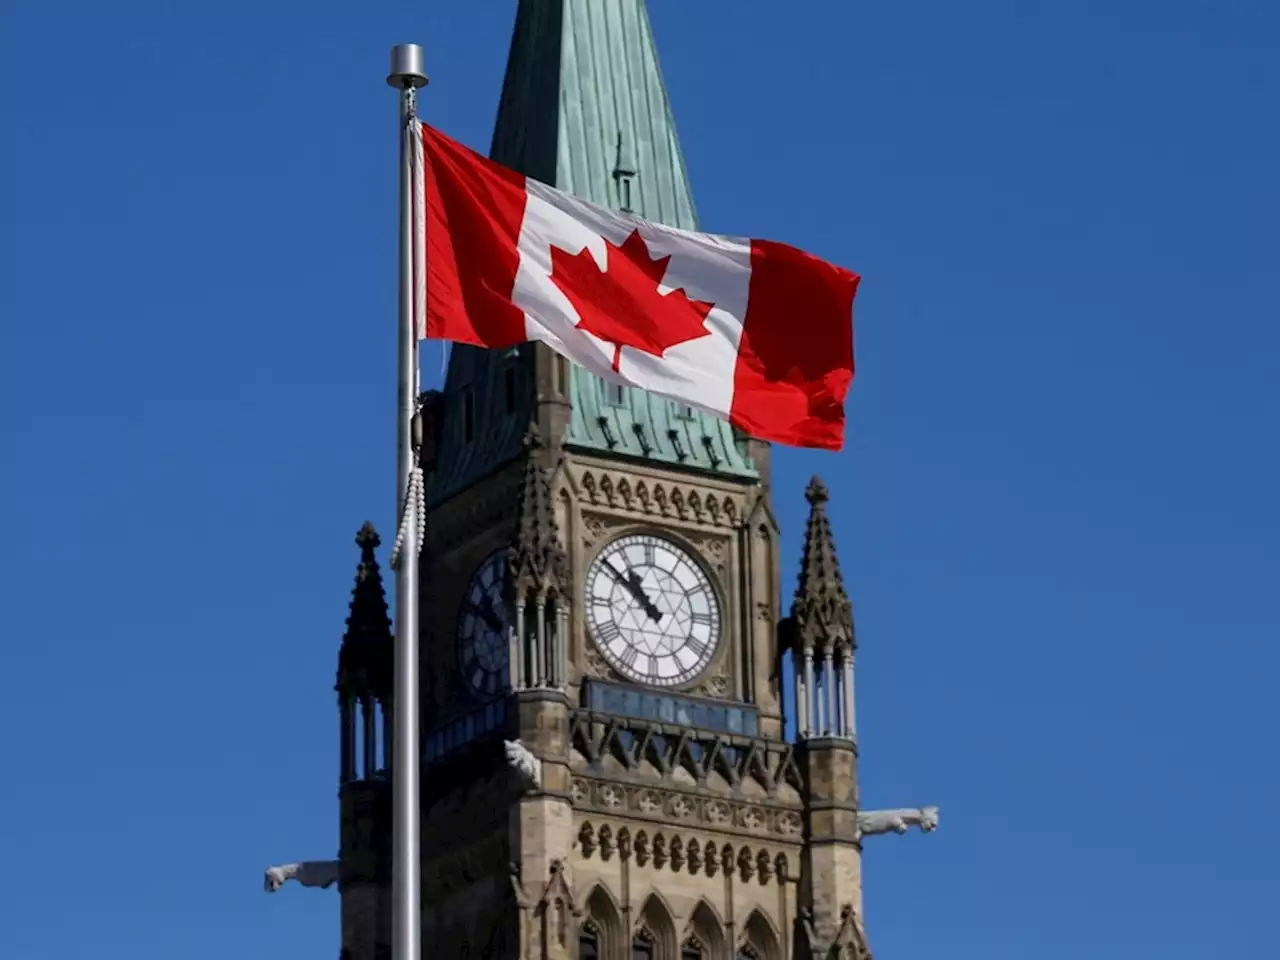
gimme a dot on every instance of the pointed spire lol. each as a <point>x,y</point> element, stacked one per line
<point>364,662</point>
<point>536,558</point>
<point>820,610</point>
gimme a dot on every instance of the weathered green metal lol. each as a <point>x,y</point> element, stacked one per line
<point>584,108</point>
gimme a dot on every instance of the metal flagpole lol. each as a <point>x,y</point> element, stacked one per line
<point>408,73</point>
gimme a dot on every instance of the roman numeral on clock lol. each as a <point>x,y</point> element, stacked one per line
<point>698,647</point>
<point>650,556</point>
<point>609,631</point>
<point>628,657</point>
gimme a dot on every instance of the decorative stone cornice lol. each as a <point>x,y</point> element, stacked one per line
<point>682,808</point>
<point>666,849</point>
<point>659,499</point>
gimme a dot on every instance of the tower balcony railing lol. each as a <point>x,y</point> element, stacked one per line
<point>635,708</point>
<point>600,696</point>
<point>483,721</point>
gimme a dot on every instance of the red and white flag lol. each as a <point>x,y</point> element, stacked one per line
<point>758,333</point>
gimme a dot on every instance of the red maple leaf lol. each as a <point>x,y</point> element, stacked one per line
<point>621,304</point>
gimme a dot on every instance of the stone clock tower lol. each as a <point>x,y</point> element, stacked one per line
<point>607,772</point>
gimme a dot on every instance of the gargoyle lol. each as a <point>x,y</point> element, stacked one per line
<point>871,822</point>
<point>309,873</point>
<point>525,763</point>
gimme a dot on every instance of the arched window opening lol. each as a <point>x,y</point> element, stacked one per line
<point>642,946</point>
<point>589,942</point>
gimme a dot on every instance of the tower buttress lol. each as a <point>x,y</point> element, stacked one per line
<point>364,686</point>
<point>820,635</point>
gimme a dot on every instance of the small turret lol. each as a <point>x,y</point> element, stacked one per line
<point>365,665</point>
<point>538,578</point>
<point>820,630</point>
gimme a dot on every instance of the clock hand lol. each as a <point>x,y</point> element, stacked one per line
<point>649,606</point>
<point>631,582</point>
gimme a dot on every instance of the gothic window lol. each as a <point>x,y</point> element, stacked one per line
<point>692,950</point>
<point>588,943</point>
<point>468,414</point>
<point>560,371</point>
<point>642,947</point>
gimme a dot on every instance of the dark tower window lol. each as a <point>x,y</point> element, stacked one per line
<point>642,948</point>
<point>691,951</point>
<point>588,944</point>
<point>509,390</point>
<point>559,374</point>
<point>468,414</point>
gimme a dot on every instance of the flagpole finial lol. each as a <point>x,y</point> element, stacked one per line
<point>408,66</point>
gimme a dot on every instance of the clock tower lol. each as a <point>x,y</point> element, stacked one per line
<point>606,769</point>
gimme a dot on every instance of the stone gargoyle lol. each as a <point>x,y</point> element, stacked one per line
<point>520,759</point>
<point>309,873</point>
<point>871,822</point>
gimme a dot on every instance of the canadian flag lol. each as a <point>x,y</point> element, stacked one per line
<point>758,333</point>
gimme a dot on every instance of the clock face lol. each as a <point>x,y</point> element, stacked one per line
<point>483,649</point>
<point>651,610</point>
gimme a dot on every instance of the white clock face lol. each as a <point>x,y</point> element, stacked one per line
<point>483,649</point>
<point>651,610</point>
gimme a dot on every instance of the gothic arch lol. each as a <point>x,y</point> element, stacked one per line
<point>602,917</point>
<point>759,938</point>
<point>656,918</point>
<point>705,924</point>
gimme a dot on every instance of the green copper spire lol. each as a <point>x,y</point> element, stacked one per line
<point>583,108</point>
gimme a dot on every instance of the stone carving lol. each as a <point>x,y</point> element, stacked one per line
<point>718,811</point>
<point>679,806</point>
<point>642,848</point>
<point>871,822</point>
<point>789,823</point>
<point>611,795</point>
<point>695,856</point>
<point>523,762</point>
<point>659,851</point>
<point>309,873</point>
<point>764,866</point>
<point>593,530</point>
<point>715,685</point>
<point>595,664</point>
<point>780,867</point>
<point>667,500</point>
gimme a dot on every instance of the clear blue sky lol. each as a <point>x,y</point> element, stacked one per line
<point>1057,513</point>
